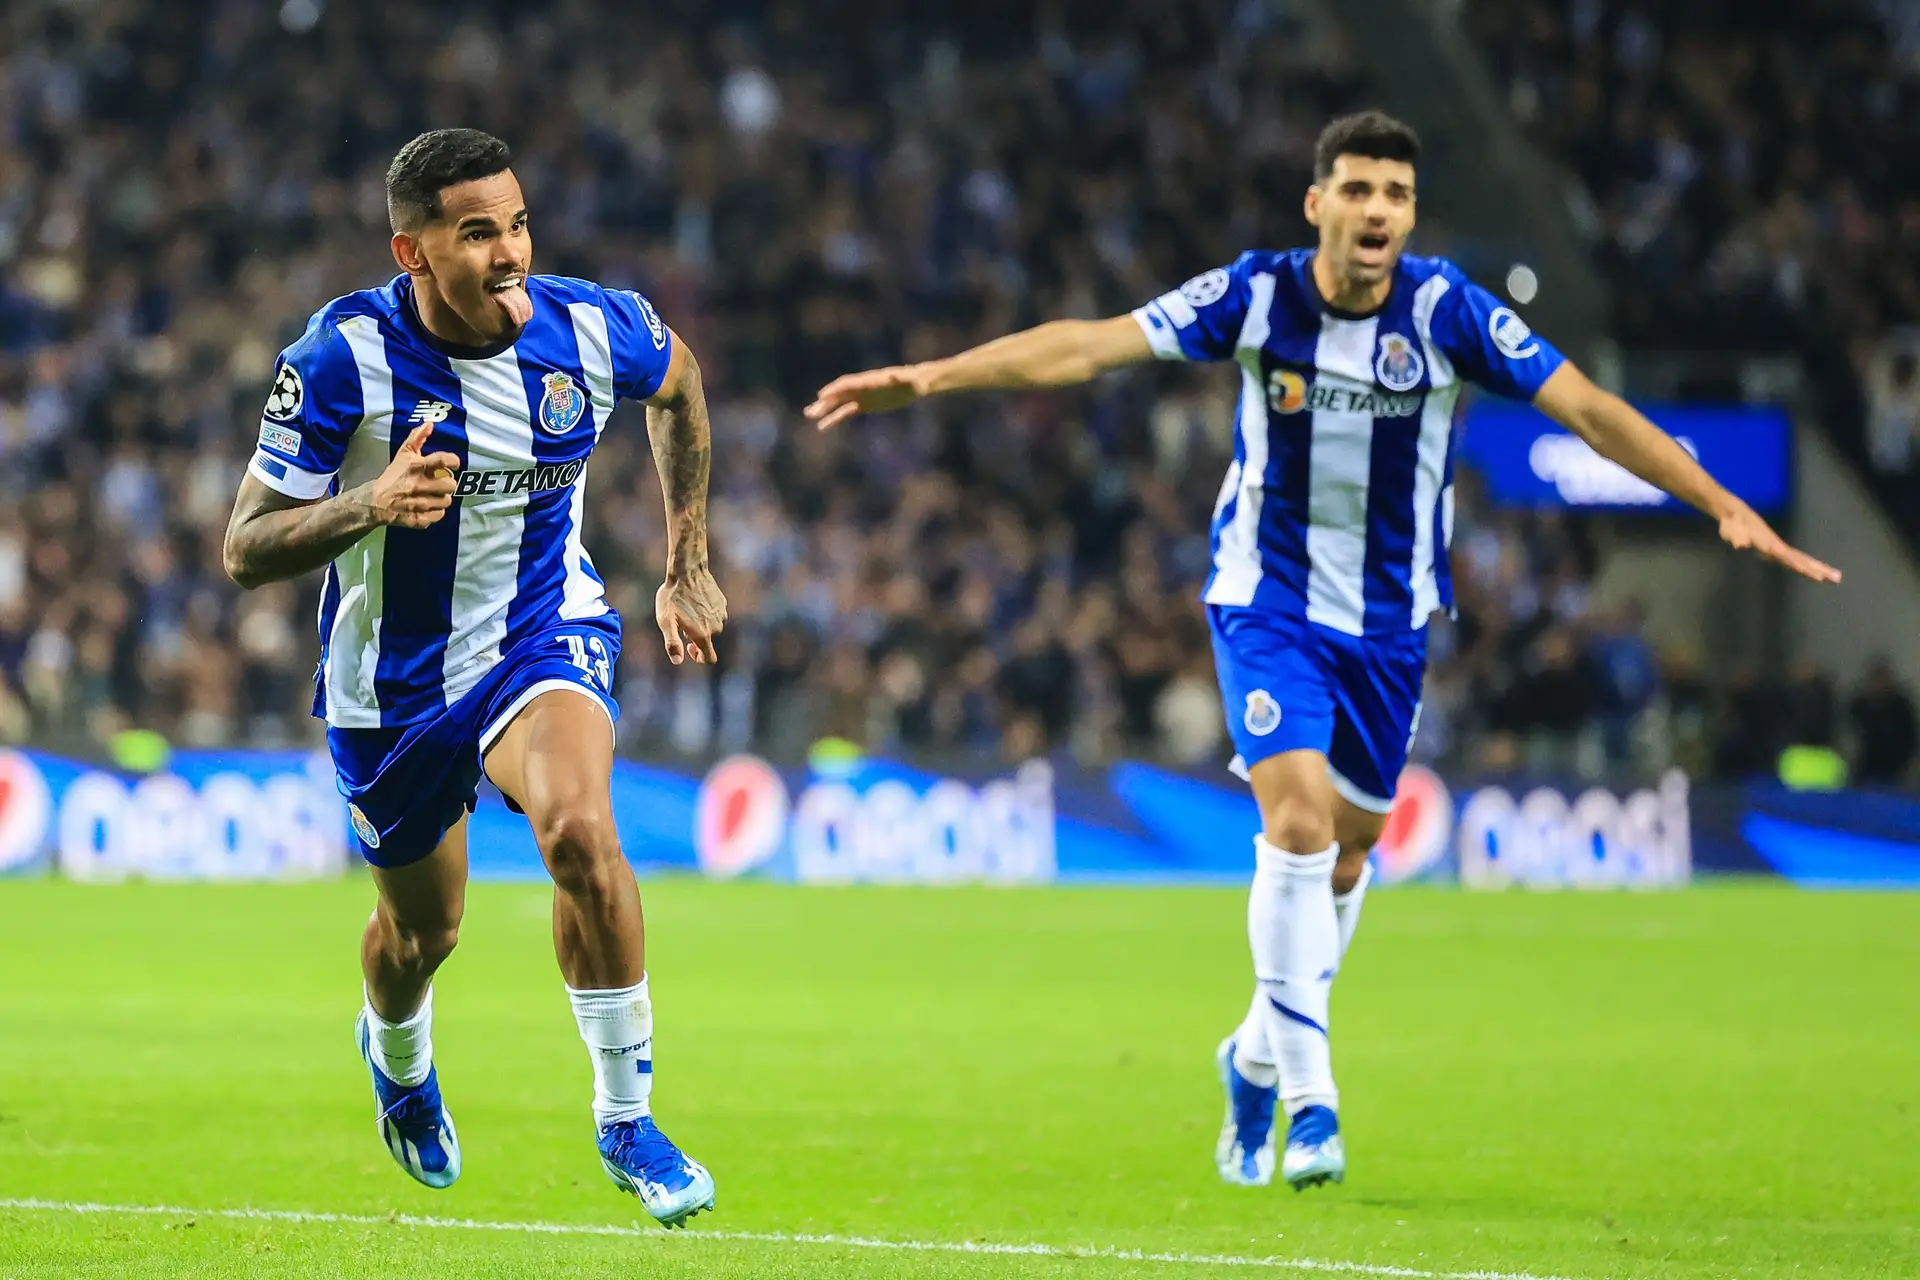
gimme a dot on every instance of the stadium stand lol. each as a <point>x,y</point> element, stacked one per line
<point>181,185</point>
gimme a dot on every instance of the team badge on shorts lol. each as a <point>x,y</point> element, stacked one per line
<point>564,404</point>
<point>1263,713</point>
<point>362,827</point>
<point>1398,366</point>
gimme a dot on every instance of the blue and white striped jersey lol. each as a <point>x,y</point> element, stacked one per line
<point>410,619</point>
<point>1339,504</point>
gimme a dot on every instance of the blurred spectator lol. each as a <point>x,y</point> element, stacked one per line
<point>1629,676</point>
<point>1753,725</point>
<point>1893,409</point>
<point>1887,737</point>
<point>1553,702</point>
<point>1809,711</point>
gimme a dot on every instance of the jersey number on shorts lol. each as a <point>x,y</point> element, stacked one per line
<point>589,653</point>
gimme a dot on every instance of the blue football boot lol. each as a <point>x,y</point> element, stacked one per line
<point>1314,1154</point>
<point>1244,1153</point>
<point>639,1158</point>
<point>413,1122</point>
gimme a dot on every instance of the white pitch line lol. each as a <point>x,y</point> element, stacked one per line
<point>770,1237</point>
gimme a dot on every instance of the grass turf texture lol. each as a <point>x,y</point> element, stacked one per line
<point>1711,1083</point>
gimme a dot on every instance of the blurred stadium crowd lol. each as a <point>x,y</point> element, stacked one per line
<point>1750,175</point>
<point>182,184</point>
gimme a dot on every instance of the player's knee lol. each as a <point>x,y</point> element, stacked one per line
<point>581,848</point>
<point>1298,828</point>
<point>420,950</point>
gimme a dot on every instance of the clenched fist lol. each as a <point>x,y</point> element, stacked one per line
<point>416,489</point>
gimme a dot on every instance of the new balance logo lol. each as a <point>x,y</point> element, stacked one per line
<point>429,411</point>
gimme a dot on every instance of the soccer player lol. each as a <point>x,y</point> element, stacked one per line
<point>428,443</point>
<point>1329,556</point>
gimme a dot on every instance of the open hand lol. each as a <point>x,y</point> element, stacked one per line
<point>691,612</point>
<point>415,490</point>
<point>1746,531</point>
<point>875,391</point>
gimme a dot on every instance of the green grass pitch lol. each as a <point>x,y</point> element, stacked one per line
<point>1714,1083</point>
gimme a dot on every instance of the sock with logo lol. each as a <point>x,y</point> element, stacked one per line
<point>1296,951</point>
<point>1346,907</point>
<point>402,1050</point>
<point>1252,1057</point>
<point>618,1028</point>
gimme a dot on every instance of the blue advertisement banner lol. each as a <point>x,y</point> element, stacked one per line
<point>258,815</point>
<point>1529,461</point>
<point>211,815</point>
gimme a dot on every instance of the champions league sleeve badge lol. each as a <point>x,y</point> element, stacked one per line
<point>563,405</point>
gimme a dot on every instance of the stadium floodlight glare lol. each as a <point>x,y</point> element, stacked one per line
<point>1522,284</point>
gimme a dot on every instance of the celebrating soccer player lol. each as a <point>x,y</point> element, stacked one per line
<point>427,442</point>
<point>1329,556</point>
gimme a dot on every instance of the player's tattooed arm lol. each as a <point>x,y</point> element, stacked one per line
<point>272,537</point>
<point>1621,433</point>
<point>689,607</point>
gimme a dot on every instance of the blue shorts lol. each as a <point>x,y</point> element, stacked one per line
<point>406,786</point>
<point>1292,685</point>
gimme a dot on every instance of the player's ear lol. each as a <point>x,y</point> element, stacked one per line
<point>409,253</point>
<point>1311,206</point>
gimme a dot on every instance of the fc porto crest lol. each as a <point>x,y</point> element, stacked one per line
<point>1262,715</point>
<point>564,404</point>
<point>1398,366</point>
<point>362,827</point>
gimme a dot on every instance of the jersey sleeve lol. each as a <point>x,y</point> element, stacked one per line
<point>1491,345</point>
<point>641,345</point>
<point>1201,319</point>
<point>312,411</point>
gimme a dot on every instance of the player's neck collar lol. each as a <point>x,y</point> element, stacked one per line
<point>410,314</point>
<point>1341,313</point>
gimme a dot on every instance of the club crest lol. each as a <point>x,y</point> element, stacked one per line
<point>1398,366</point>
<point>563,405</point>
<point>1263,713</point>
<point>368,833</point>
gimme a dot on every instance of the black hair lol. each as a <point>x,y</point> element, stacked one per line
<point>434,161</point>
<point>1373,134</point>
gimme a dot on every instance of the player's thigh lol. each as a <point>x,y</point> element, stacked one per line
<point>1279,711</point>
<point>554,758</point>
<point>428,896</point>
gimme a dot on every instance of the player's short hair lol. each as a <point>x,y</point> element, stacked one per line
<point>436,160</point>
<point>1373,134</point>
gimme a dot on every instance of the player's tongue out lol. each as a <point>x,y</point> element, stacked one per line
<point>510,295</point>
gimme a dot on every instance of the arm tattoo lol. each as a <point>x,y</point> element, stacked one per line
<point>682,453</point>
<point>272,537</point>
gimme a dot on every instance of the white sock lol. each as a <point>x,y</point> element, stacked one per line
<point>1346,907</point>
<point>618,1028</point>
<point>1296,950</point>
<point>1251,1056</point>
<point>403,1050</point>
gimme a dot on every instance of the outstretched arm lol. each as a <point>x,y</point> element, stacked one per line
<point>689,607</point>
<point>272,537</point>
<point>1061,353</point>
<point>1618,431</point>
